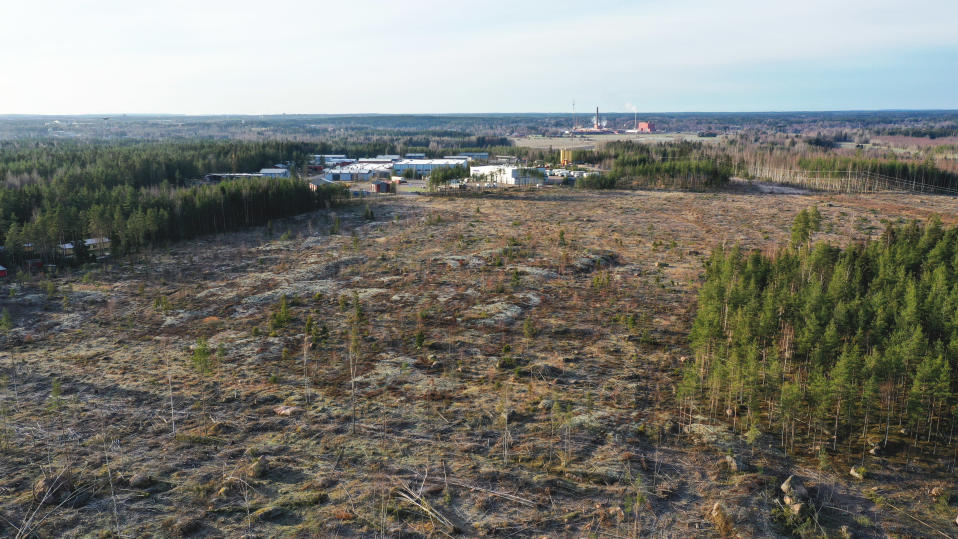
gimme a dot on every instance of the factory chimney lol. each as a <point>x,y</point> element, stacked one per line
<point>597,117</point>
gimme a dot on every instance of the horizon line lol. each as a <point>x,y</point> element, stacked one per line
<point>348,114</point>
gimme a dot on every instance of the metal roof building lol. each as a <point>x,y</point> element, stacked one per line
<point>274,173</point>
<point>426,166</point>
<point>358,172</point>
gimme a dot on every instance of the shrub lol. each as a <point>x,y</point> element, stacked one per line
<point>202,358</point>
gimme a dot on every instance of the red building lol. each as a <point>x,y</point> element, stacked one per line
<point>3,271</point>
<point>645,127</point>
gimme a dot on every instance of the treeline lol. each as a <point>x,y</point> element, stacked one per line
<point>833,140</point>
<point>444,175</point>
<point>138,218</point>
<point>920,173</point>
<point>136,194</point>
<point>665,166</point>
<point>924,131</point>
<point>92,165</point>
<point>832,349</point>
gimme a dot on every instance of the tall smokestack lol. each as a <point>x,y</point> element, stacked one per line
<point>597,117</point>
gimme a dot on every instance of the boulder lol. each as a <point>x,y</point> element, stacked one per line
<point>794,487</point>
<point>141,480</point>
<point>857,472</point>
<point>796,495</point>
<point>729,464</point>
<point>288,411</point>
<point>258,468</point>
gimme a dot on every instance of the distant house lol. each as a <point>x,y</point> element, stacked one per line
<point>97,244</point>
<point>274,172</point>
<point>94,245</point>
<point>318,182</point>
<point>379,187</point>
<point>3,271</point>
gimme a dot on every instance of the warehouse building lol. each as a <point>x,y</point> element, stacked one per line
<point>274,172</point>
<point>424,167</point>
<point>506,175</point>
<point>331,160</point>
<point>355,172</point>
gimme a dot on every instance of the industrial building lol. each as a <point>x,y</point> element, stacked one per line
<point>424,167</point>
<point>476,156</point>
<point>354,172</point>
<point>415,156</point>
<point>216,177</point>
<point>274,172</point>
<point>643,127</point>
<point>598,126</point>
<point>505,175</point>
<point>331,160</point>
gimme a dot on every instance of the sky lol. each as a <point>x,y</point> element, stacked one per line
<point>465,56</point>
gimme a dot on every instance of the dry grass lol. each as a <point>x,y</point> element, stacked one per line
<point>531,407</point>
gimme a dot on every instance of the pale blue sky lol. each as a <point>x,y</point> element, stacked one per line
<point>367,56</point>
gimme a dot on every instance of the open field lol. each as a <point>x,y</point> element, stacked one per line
<point>913,142</point>
<point>500,366</point>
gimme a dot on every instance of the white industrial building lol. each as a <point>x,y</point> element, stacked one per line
<point>424,167</point>
<point>355,172</point>
<point>505,175</point>
<point>331,160</point>
<point>274,172</point>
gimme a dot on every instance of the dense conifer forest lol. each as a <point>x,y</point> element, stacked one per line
<point>679,166</point>
<point>834,350</point>
<point>140,194</point>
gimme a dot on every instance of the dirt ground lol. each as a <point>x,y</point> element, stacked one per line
<point>498,366</point>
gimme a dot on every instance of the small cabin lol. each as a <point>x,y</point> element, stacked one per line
<point>3,272</point>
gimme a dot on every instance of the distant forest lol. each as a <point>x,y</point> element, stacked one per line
<point>316,128</point>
